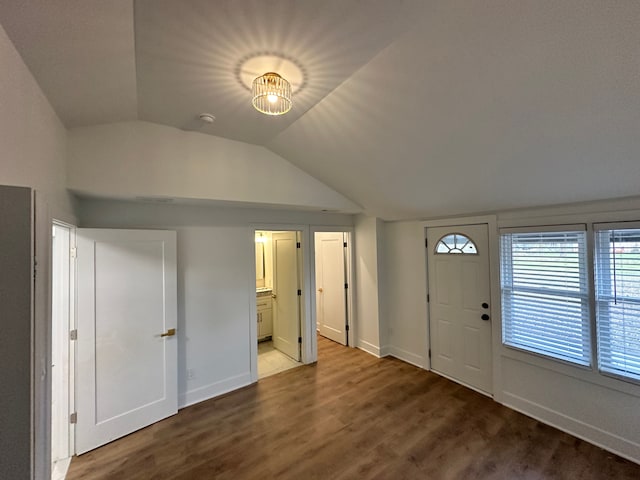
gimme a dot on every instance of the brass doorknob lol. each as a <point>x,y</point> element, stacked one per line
<point>169,333</point>
<point>273,295</point>
<point>320,289</point>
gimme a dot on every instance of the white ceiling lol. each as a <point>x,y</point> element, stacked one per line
<point>412,109</point>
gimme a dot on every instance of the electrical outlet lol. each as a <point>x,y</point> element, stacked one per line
<point>190,373</point>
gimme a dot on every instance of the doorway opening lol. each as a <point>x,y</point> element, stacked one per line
<point>62,351</point>
<point>278,256</point>
<point>333,282</point>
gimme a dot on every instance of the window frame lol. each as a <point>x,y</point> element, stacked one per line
<point>596,228</point>
<point>585,273</point>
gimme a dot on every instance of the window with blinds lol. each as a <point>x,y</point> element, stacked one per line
<point>545,299</point>
<point>617,262</point>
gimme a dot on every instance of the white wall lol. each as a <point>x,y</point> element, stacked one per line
<point>599,409</point>
<point>33,144</point>
<point>32,137</point>
<point>368,262</point>
<point>131,159</point>
<point>215,286</point>
<point>406,306</point>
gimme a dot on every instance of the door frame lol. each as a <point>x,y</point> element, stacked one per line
<point>494,282</point>
<point>306,332</point>
<point>350,231</point>
<point>71,326</point>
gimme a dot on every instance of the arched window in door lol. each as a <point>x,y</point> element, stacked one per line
<point>456,243</point>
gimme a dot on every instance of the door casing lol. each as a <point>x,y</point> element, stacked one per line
<point>65,341</point>
<point>494,270</point>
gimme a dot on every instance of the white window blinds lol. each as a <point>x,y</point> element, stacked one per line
<point>545,305</point>
<point>618,300</point>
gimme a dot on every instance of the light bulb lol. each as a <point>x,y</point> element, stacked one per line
<point>272,98</point>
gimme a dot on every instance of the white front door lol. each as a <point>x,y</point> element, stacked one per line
<point>459,309</point>
<point>126,347</point>
<point>286,308</point>
<point>331,304</point>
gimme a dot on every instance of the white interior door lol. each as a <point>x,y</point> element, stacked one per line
<point>331,303</point>
<point>286,308</point>
<point>60,351</point>
<point>459,309</point>
<point>126,368</point>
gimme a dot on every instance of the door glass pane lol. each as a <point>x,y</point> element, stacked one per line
<point>456,243</point>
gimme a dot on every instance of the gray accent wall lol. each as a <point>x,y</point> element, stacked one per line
<point>16,313</point>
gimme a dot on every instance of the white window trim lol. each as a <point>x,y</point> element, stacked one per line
<point>599,227</point>
<point>581,227</point>
<point>530,219</point>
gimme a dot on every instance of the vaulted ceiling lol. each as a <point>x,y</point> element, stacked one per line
<point>413,109</point>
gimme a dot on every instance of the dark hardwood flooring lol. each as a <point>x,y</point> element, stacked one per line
<point>351,416</point>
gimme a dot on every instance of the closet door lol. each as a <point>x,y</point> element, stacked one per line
<point>331,299</point>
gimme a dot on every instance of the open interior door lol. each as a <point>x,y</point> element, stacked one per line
<point>286,306</point>
<point>331,300</point>
<point>126,344</point>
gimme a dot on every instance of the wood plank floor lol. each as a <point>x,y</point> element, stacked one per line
<point>351,416</point>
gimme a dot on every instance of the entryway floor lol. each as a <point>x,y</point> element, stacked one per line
<point>272,361</point>
<point>59,469</point>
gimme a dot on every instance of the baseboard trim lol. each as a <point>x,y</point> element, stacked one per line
<point>407,356</point>
<point>369,348</point>
<point>212,390</point>
<point>589,433</point>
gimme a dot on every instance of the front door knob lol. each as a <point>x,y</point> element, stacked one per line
<point>485,305</point>
<point>485,316</point>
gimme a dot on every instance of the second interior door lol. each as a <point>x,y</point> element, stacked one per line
<point>286,306</point>
<point>331,305</point>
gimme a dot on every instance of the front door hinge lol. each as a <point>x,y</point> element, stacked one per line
<point>344,244</point>
<point>300,340</point>
<point>346,327</point>
<point>299,292</point>
<point>73,334</point>
<point>428,298</point>
<point>429,353</point>
<point>297,244</point>
<point>346,285</point>
<point>73,418</point>
<point>426,243</point>
<point>73,252</point>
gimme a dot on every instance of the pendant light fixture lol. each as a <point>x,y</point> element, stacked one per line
<point>271,94</point>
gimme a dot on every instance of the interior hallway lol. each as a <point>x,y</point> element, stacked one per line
<point>350,416</point>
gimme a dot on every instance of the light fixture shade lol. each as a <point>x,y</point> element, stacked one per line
<point>271,94</point>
